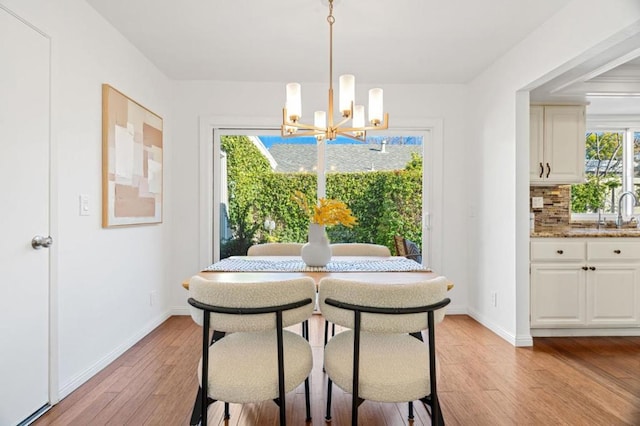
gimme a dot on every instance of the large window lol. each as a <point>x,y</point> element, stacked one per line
<point>381,180</point>
<point>612,166</point>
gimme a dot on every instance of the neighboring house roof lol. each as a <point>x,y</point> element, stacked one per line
<point>593,165</point>
<point>342,157</point>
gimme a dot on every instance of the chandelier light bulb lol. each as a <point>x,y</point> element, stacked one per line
<point>320,121</point>
<point>375,106</point>
<point>294,101</point>
<point>358,116</point>
<point>347,93</point>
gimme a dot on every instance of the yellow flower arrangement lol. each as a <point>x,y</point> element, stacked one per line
<point>327,212</point>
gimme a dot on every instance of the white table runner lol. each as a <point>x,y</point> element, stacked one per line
<point>244,264</point>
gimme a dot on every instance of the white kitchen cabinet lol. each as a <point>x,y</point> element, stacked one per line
<point>557,144</point>
<point>585,283</point>
<point>613,282</point>
<point>557,295</point>
<point>612,294</point>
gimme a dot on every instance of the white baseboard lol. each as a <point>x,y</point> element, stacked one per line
<point>518,341</point>
<point>180,310</point>
<point>524,341</point>
<point>456,310</point>
<point>83,377</point>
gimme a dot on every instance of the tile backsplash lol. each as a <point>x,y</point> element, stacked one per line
<point>556,212</point>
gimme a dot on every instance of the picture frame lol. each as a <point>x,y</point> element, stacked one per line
<point>132,166</point>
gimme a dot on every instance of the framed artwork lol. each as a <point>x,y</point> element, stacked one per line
<point>131,161</point>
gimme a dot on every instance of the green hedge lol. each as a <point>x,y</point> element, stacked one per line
<point>385,203</point>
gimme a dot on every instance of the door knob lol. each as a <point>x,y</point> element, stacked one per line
<point>39,241</point>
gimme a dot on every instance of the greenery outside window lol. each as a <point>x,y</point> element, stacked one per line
<point>612,166</point>
<point>380,180</point>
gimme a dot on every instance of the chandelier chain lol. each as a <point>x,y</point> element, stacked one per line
<point>331,19</point>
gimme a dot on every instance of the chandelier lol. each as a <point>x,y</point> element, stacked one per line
<point>323,124</point>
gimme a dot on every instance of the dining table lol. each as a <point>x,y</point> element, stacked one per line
<point>385,270</point>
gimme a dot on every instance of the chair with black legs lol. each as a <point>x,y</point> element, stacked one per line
<point>407,248</point>
<point>382,356</point>
<point>252,358</point>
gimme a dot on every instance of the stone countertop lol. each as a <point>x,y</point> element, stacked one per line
<point>574,232</point>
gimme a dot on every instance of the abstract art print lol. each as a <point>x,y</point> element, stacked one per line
<point>131,161</point>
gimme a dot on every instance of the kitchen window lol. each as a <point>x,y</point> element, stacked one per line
<point>612,166</point>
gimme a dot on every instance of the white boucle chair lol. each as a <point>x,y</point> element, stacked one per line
<point>256,359</point>
<point>382,356</point>
<point>359,249</point>
<point>275,249</point>
<point>353,249</point>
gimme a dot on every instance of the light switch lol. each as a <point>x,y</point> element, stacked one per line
<point>537,202</point>
<point>84,205</point>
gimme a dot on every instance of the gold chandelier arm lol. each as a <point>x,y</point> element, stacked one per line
<point>287,124</point>
<point>296,124</point>
<point>344,120</point>
<point>303,126</point>
<point>382,126</point>
<point>285,135</point>
<point>356,138</point>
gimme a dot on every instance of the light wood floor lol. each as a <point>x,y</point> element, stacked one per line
<point>483,381</point>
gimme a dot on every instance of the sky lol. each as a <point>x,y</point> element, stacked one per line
<point>268,141</point>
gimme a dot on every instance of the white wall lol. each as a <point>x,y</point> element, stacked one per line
<point>263,102</point>
<point>101,277</point>
<point>498,161</point>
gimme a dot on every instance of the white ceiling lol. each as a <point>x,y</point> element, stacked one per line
<point>609,83</point>
<point>393,41</point>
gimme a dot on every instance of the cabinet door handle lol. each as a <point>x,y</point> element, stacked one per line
<point>584,268</point>
<point>548,169</point>
<point>541,170</point>
<point>593,268</point>
<point>559,251</point>
<point>617,251</point>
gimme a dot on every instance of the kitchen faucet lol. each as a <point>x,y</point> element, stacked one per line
<point>619,221</point>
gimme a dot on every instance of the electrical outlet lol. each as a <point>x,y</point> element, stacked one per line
<point>494,299</point>
<point>537,202</point>
<point>152,298</point>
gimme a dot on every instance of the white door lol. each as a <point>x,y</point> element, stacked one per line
<point>24,213</point>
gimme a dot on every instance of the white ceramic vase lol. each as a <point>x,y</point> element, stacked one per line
<point>317,251</point>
